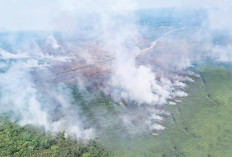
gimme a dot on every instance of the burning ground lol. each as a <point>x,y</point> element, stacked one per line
<point>122,73</point>
<point>45,71</point>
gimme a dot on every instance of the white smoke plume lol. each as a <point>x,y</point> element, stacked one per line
<point>32,98</point>
<point>148,64</point>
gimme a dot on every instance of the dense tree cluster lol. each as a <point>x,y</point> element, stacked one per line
<point>31,141</point>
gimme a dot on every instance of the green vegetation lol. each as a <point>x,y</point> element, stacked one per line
<point>34,142</point>
<point>200,127</point>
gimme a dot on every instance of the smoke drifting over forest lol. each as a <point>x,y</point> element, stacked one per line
<point>136,52</point>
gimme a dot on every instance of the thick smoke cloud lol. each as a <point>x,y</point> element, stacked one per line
<point>26,92</point>
<point>148,63</point>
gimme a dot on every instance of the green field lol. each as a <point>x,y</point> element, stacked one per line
<point>201,125</point>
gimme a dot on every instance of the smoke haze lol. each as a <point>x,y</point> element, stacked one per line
<point>137,52</point>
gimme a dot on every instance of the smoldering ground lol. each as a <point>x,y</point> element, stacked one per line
<point>136,53</point>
